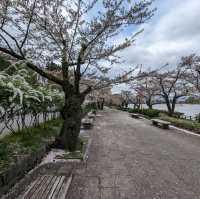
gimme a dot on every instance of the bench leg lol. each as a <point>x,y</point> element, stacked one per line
<point>155,123</point>
<point>165,126</point>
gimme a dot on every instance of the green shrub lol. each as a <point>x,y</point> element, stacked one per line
<point>176,114</point>
<point>146,112</point>
<point>89,107</point>
<point>3,150</point>
<point>132,110</point>
<point>122,108</point>
<point>198,118</point>
<point>151,112</point>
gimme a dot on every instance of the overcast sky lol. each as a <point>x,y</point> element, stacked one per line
<point>174,31</point>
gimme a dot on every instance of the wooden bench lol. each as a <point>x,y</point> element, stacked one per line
<point>161,123</point>
<point>135,115</point>
<point>87,123</point>
<point>91,115</point>
<point>48,186</point>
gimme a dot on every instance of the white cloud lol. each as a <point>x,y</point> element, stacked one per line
<point>168,37</point>
<point>173,32</point>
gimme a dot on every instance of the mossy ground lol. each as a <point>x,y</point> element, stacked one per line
<point>80,149</point>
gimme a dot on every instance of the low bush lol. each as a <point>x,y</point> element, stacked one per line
<point>151,113</point>
<point>89,107</point>
<point>132,110</point>
<point>122,108</point>
<point>176,114</point>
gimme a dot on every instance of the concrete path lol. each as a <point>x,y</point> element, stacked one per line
<point>131,159</point>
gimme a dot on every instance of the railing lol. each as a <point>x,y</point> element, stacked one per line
<point>194,118</point>
<point>19,122</point>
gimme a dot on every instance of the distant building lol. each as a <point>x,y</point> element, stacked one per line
<point>116,99</point>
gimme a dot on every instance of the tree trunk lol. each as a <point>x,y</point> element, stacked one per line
<point>149,104</point>
<point>173,104</point>
<point>102,104</point>
<point>170,112</point>
<point>72,115</point>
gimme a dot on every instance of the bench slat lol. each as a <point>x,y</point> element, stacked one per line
<point>58,188</point>
<point>160,121</point>
<point>33,187</point>
<point>42,188</point>
<point>135,115</point>
<point>48,187</point>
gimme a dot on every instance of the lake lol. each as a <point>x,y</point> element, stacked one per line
<point>187,109</point>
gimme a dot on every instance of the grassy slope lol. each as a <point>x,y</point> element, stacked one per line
<point>182,123</point>
<point>26,141</point>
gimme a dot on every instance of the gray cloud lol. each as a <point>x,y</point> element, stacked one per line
<point>170,36</point>
<point>173,32</point>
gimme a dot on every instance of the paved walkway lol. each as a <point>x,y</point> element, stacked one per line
<point>131,159</point>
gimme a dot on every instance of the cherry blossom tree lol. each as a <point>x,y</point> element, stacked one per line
<point>127,98</point>
<point>192,65</point>
<point>81,35</point>
<point>148,88</point>
<point>172,86</point>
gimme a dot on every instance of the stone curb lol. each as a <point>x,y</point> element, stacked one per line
<point>184,131</point>
<point>40,169</point>
<point>86,154</point>
<point>179,129</point>
<point>18,170</point>
<point>47,168</point>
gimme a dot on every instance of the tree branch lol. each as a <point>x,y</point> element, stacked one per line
<point>44,74</point>
<point>76,26</point>
<point>28,26</point>
<point>7,43</point>
<point>14,39</point>
<point>33,67</point>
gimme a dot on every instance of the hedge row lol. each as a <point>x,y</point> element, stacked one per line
<point>151,113</point>
<point>146,112</point>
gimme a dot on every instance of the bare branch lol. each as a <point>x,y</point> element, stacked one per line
<point>7,43</point>
<point>14,39</point>
<point>29,24</point>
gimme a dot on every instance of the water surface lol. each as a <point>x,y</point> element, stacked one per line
<point>187,109</point>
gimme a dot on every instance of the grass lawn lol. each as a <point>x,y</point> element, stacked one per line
<point>182,123</point>
<point>26,142</point>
